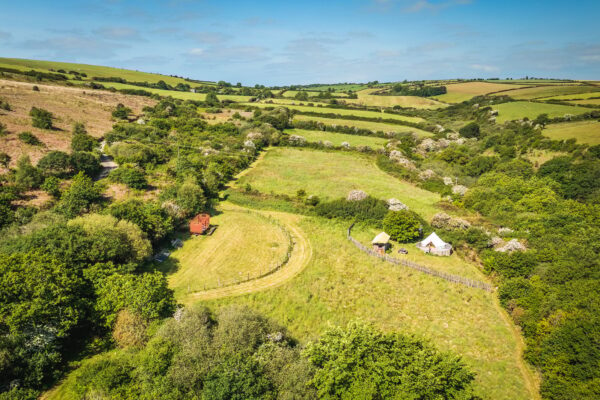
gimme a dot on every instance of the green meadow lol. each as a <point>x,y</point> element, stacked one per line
<point>345,112</point>
<point>374,126</point>
<point>521,109</point>
<point>331,175</point>
<point>584,131</point>
<point>338,138</point>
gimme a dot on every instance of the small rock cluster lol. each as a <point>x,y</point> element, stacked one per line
<point>510,246</point>
<point>399,158</point>
<point>356,195</point>
<point>444,221</point>
<point>396,205</point>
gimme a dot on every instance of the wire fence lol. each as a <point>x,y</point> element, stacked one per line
<point>449,277</point>
<point>291,243</point>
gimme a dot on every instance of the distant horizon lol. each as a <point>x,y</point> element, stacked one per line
<point>317,83</point>
<point>277,44</point>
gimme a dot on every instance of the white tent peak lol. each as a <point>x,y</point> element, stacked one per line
<point>435,240</point>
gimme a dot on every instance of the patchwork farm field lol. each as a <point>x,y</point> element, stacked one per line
<point>374,126</point>
<point>233,252</point>
<point>584,131</point>
<point>459,92</point>
<point>331,175</point>
<point>591,102</point>
<point>579,96</point>
<point>548,91</point>
<point>338,138</point>
<point>341,284</point>
<point>521,109</point>
<point>345,112</point>
<point>366,98</point>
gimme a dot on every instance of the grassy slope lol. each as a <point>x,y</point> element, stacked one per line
<point>342,111</point>
<point>584,131</point>
<point>338,138</point>
<point>459,92</point>
<point>578,96</point>
<point>374,126</point>
<point>548,91</point>
<point>341,284</point>
<point>366,98</point>
<point>231,253</point>
<point>90,70</point>
<point>522,109</point>
<point>331,175</point>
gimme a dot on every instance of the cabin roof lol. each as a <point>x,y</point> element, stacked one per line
<point>382,238</point>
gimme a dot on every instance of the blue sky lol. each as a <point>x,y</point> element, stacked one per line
<point>285,42</point>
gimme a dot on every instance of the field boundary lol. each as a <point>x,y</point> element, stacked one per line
<point>449,277</point>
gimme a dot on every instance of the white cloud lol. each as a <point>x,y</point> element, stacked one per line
<point>196,51</point>
<point>484,67</point>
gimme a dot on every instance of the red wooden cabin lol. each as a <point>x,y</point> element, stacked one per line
<point>199,224</point>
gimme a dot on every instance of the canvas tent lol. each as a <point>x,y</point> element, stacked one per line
<point>434,245</point>
<point>381,242</point>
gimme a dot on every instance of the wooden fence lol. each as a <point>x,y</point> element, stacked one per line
<point>291,243</point>
<point>449,277</point>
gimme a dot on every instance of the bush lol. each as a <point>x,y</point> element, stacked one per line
<point>81,141</point>
<point>4,159</point>
<point>369,210</point>
<point>27,176</point>
<point>51,186</point>
<point>129,330</point>
<point>190,197</point>
<point>55,163</point>
<point>130,176</point>
<point>3,130</point>
<point>80,196</point>
<point>121,112</point>
<point>85,162</point>
<point>41,118</point>
<point>470,130</point>
<point>30,138</point>
<point>402,226</point>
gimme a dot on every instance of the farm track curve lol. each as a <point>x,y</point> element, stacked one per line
<point>301,255</point>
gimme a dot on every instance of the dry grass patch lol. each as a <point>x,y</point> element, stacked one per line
<point>69,105</point>
<point>459,92</point>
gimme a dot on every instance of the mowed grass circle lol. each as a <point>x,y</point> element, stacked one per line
<point>243,245</point>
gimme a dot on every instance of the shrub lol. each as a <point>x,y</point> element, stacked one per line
<point>368,210</point>
<point>130,176</point>
<point>470,130</point>
<point>81,141</point>
<point>85,162</point>
<point>51,186</point>
<point>80,196</point>
<point>4,159</point>
<point>55,163</point>
<point>35,88</point>
<point>30,138</point>
<point>402,226</point>
<point>129,330</point>
<point>121,112</point>
<point>27,176</point>
<point>41,118</point>
<point>3,130</point>
<point>190,197</point>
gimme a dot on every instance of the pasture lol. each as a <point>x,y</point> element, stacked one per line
<point>365,97</point>
<point>374,126</point>
<point>345,112</point>
<point>521,109</point>
<point>593,93</point>
<point>459,92</point>
<point>590,102</point>
<point>331,175</point>
<point>584,131</point>
<point>92,70</point>
<point>341,284</point>
<point>338,138</point>
<point>292,93</point>
<point>545,92</point>
<point>243,245</point>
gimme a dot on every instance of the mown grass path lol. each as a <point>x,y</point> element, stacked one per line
<point>301,255</point>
